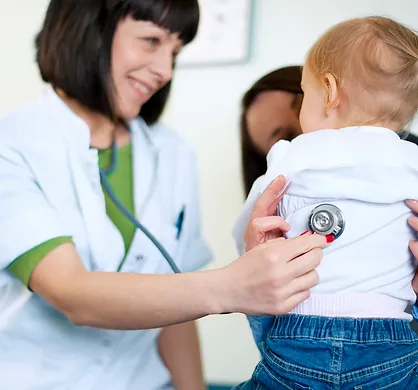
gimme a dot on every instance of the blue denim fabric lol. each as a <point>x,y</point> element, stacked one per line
<point>317,353</point>
<point>415,311</point>
<point>260,326</point>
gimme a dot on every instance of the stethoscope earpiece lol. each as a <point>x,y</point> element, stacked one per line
<point>327,219</point>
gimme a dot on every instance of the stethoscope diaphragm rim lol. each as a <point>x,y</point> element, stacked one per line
<point>338,220</point>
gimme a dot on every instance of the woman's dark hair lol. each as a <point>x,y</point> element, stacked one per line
<point>154,107</point>
<point>253,161</point>
<point>73,49</point>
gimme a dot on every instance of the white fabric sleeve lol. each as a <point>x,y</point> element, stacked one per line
<point>193,252</point>
<point>26,217</point>
<point>275,160</point>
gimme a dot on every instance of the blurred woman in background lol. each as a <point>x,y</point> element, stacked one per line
<point>270,112</point>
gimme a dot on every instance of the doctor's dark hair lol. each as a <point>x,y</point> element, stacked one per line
<point>288,79</point>
<point>74,46</point>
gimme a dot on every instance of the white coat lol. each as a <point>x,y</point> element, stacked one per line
<point>50,187</point>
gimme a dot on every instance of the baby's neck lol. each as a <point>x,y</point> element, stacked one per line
<point>386,125</point>
<point>344,124</point>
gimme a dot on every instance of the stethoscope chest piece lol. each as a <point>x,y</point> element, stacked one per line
<point>327,219</point>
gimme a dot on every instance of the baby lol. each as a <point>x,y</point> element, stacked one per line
<point>360,85</point>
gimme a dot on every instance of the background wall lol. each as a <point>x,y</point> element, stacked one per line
<point>204,108</point>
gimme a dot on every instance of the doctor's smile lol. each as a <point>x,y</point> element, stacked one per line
<point>143,91</point>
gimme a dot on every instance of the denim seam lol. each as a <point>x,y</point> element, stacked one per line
<point>255,374</point>
<point>271,374</point>
<point>360,387</point>
<point>336,360</point>
<point>308,372</point>
<point>374,341</point>
<point>389,366</point>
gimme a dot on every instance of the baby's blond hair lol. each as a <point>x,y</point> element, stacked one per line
<point>375,63</point>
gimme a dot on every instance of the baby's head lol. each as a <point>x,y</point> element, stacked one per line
<point>361,72</point>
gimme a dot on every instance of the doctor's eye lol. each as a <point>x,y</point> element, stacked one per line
<point>152,41</point>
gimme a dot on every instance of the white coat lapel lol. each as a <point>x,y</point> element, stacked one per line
<point>147,205</point>
<point>105,242</point>
<point>145,163</point>
<point>94,215</point>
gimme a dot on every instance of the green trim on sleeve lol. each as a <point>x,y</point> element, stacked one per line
<point>24,265</point>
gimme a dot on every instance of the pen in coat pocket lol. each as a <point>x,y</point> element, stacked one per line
<point>179,222</point>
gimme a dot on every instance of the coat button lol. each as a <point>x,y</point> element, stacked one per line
<point>139,257</point>
<point>106,343</point>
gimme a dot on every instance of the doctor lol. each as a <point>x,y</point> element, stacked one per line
<point>77,281</point>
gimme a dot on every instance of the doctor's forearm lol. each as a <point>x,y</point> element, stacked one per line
<point>135,301</point>
<point>120,300</point>
<point>179,348</point>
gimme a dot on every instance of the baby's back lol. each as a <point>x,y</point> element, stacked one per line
<point>371,255</point>
<point>369,184</point>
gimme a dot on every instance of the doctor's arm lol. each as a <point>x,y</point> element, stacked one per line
<point>180,350</point>
<point>271,278</point>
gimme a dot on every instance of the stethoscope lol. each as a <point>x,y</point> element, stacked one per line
<point>328,220</point>
<point>325,219</point>
<point>108,188</point>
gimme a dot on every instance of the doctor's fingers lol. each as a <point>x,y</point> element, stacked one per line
<point>262,229</point>
<point>413,222</point>
<point>294,247</point>
<point>295,300</point>
<point>413,205</point>
<point>298,290</point>
<point>302,283</point>
<point>266,204</point>
<point>413,245</point>
<point>305,263</point>
<point>415,283</point>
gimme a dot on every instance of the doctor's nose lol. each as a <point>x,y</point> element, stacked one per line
<point>162,66</point>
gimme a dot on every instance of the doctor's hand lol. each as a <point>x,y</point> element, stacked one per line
<point>413,245</point>
<point>274,277</point>
<point>264,223</point>
<point>275,274</point>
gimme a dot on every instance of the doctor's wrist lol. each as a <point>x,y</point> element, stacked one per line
<point>216,288</point>
<point>226,299</point>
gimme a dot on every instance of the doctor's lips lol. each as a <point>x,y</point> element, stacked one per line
<point>142,88</point>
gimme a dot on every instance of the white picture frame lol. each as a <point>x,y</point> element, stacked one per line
<point>224,34</point>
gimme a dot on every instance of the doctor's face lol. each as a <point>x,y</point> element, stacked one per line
<point>142,62</point>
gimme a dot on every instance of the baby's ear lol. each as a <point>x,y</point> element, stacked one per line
<point>332,92</point>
